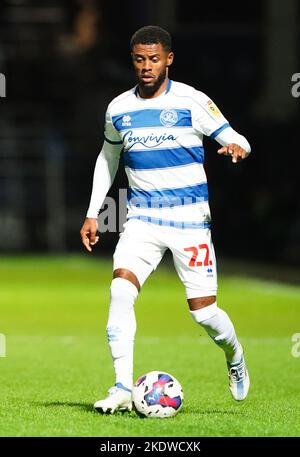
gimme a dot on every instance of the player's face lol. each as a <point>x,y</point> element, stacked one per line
<point>151,64</point>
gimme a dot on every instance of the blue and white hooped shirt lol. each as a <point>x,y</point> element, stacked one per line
<point>162,147</point>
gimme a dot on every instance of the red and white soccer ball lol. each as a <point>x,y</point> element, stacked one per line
<point>157,394</point>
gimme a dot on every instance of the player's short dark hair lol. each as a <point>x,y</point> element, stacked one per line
<point>152,34</point>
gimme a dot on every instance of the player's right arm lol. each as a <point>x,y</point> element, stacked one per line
<point>104,174</point>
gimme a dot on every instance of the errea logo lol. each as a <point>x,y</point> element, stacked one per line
<point>126,121</point>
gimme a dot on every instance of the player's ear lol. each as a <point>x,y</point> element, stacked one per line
<point>170,59</point>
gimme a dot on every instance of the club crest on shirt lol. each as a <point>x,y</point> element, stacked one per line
<point>168,117</point>
<point>213,108</point>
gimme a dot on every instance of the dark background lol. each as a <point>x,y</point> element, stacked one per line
<point>65,60</point>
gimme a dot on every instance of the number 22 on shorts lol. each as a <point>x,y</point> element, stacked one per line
<point>195,251</point>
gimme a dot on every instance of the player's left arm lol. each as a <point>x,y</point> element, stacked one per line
<point>233,144</point>
<point>209,120</point>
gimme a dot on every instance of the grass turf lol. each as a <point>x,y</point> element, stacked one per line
<point>53,314</point>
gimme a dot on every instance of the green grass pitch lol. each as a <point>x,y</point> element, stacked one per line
<point>53,315</point>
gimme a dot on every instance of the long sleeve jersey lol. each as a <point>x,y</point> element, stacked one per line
<point>161,141</point>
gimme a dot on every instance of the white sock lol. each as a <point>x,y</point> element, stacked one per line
<point>121,327</point>
<point>220,328</point>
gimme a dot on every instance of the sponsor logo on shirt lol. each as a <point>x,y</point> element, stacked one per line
<point>168,117</point>
<point>213,109</point>
<point>126,121</point>
<point>149,141</point>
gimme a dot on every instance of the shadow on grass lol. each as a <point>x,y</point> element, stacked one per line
<point>50,404</point>
<point>207,412</point>
<point>86,407</point>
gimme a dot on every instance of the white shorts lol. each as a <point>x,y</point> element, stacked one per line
<point>142,245</point>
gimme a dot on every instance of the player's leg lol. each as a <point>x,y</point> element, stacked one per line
<point>121,327</point>
<point>195,262</point>
<point>137,254</point>
<point>217,324</point>
<point>219,327</point>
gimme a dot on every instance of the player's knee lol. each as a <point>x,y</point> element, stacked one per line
<point>201,315</point>
<point>201,302</point>
<point>127,274</point>
<point>121,309</point>
<point>122,290</point>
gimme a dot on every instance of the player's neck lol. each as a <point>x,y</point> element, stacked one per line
<point>162,88</point>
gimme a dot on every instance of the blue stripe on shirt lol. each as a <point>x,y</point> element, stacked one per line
<point>175,224</point>
<point>219,130</point>
<point>145,118</point>
<point>162,158</point>
<point>168,197</point>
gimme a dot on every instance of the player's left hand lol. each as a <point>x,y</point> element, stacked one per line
<point>235,151</point>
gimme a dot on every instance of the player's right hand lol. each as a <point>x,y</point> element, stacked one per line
<point>88,233</point>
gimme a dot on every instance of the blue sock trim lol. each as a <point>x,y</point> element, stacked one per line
<point>120,386</point>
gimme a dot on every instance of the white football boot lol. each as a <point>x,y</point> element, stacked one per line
<point>119,399</point>
<point>239,381</point>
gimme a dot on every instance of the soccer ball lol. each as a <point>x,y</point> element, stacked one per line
<point>157,394</point>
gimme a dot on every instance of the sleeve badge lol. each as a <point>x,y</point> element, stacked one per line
<point>214,110</point>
